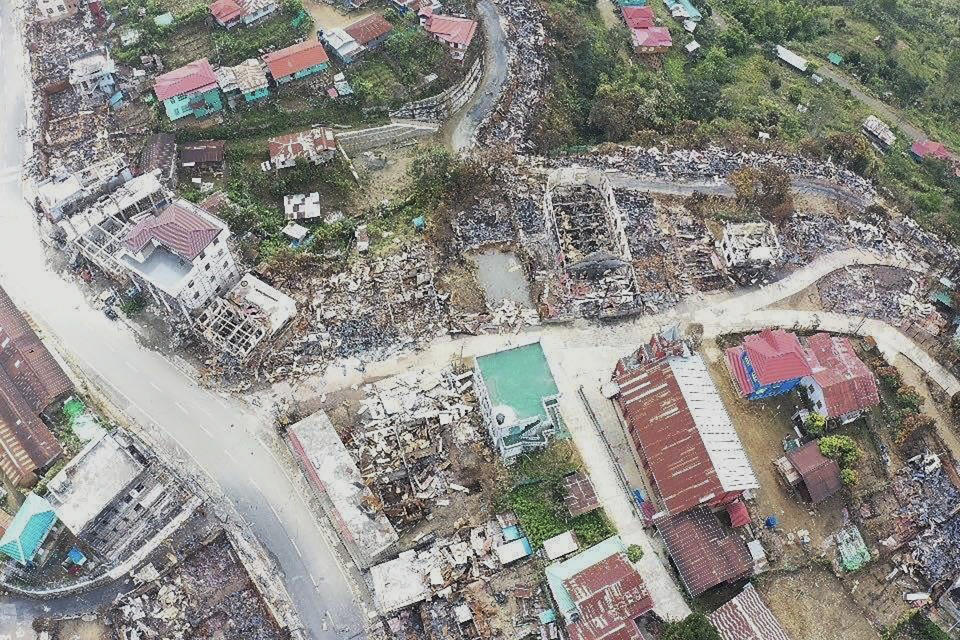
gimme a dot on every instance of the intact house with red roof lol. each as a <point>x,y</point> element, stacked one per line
<point>767,364</point>
<point>350,42</point>
<point>645,35</point>
<point>681,430</point>
<point>923,149</point>
<point>747,617</point>
<point>234,13</point>
<point>840,386</point>
<point>297,61</point>
<point>317,146</point>
<point>180,256</point>
<point>191,90</point>
<point>456,33</point>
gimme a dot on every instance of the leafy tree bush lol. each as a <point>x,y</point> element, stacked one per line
<point>695,626</point>
<point>849,477</point>
<point>890,377</point>
<point>909,398</point>
<point>777,20</point>
<point>913,426</point>
<point>634,552</point>
<point>815,424</point>
<point>843,449</point>
<point>768,190</point>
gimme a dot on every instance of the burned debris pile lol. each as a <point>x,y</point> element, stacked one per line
<point>886,293</point>
<point>406,442</point>
<point>208,595</point>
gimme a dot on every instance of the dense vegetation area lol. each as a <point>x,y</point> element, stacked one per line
<point>535,494</point>
<point>733,88</point>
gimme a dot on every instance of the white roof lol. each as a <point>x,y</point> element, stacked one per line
<point>692,46</point>
<point>56,192</point>
<point>296,231</point>
<point>513,551</point>
<point>399,582</point>
<point>561,545</point>
<point>719,436</point>
<point>302,206</point>
<point>341,41</point>
<point>278,306</point>
<point>91,481</point>
<point>791,58</point>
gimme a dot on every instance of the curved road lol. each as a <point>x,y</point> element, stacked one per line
<point>217,434</point>
<point>465,122</point>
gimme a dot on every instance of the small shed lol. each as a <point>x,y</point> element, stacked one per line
<point>561,545</point>
<point>579,496</point>
<point>835,58</point>
<point>819,475</point>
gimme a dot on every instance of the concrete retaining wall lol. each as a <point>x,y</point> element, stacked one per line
<point>353,142</point>
<point>441,106</point>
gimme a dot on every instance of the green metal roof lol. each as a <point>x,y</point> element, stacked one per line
<point>519,378</point>
<point>28,529</point>
<point>835,58</point>
<point>559,572</point>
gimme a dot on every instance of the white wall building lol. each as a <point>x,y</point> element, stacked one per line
<point>93,74</point>
<point>51,10</point>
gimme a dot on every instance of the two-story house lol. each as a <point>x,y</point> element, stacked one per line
<point>767,364</point>
<point>191,90</point>
<point>456,33</point>
<point>180,256</point>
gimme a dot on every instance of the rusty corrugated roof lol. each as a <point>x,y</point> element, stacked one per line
<point>578,494</point>
<point>847,383</point>
<point>609,596</point>
<point>820,474</point>
<point>746,617</point>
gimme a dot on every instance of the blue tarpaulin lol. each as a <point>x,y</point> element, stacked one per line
<point>76,557</point>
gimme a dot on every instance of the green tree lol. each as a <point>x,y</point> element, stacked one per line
<point>843,449</point>
<point>695,626</point>
<point>849,477</point>
<point>909,398</point>
<point>815,424</point>
<point>634,552</point>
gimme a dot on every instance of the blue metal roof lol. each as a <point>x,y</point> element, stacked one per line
<point>512,533</point>
<point>29,528</point>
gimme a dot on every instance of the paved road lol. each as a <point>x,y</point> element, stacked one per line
<point>216,433</point>
<point>465,123</point>
<point>883,111</point>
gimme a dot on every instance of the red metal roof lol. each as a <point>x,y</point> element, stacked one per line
<point>203,151</point>
<point>651,37</point>
<point>302,144</point>
<point>197,76</point>
<point>637,17</point>
<point>180,228</point>
<point>665,433</point>
<point>368,29</point>
<point>225,11</point>
<point>848,384</point>
<point>739,515</point>
<point>451,29</point>
<point>295,58</point>
<point>776,355</point>
<point>579,496</point>
<point>926,148</point>
<point>821,475</point>
<point>746,617</point>
<point>704,553</point>
<point>609,596</point>
<point>734,357</point>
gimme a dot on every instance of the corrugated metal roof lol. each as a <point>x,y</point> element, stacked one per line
<point>558,572</point>
<point>776,356</point>
<point>609,596</point>
<point>848,384</point>
<point>28,529</point>
<point>294,58</point>
<point>682,429</point>
<point>196,76</point>
<point>452,29</point>
<point>747,617</point>
<point>369,28</point>
<point>637,17</point>
<point>820,474</point>
<point>704,553</point>
<point>578,494</point>
<point>203,151</point>
<point>301,145</point>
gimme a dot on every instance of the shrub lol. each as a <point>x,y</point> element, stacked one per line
<point>634,552</point>
<point>909,398</point>
<point>850,477</point>
<point>815,424</point>
<point>890,377</point>
<point>843,449</point>
<point>695,626</point>
<point>912,425</point>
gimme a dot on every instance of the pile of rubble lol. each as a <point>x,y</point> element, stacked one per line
<point>885,293</point>
<point>404,445</point>
<point>371,311</point>
<point>523,93</point>
<point>516,211</point>
<point>505,316</point>
<point>930,501</point>
<point>210,595</point>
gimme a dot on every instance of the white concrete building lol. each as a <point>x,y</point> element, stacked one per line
<point>51,10</point>
<point>62,195</point>
<point>180,256</point>
<point>247,315</point>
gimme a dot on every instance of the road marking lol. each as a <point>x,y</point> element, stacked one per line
<point>230,455</point>
<point>314,581</point>
<point>277,515</point>
<point>256,486</point>
<point>155,387</point>
<point>131,367</point>
<point>180,406</point>
<point>296,548</point>
<point>206,411</point>
<point>204,429</point>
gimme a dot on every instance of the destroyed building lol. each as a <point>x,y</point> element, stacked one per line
<point>115,495</point>
<point>355,511</point>
<point>93,74</point>
<point>302,206</point>
<point>180,255</point>
<point>160,153</point>
<point>31,382</point>
<point>673,400</point>
<point>589,229</point>
<point>519,400</point>
<point>750,250</point>
<point>245,316</point>
<point>317,145</point>
<point>206,594</point>
<point>64,194</point>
